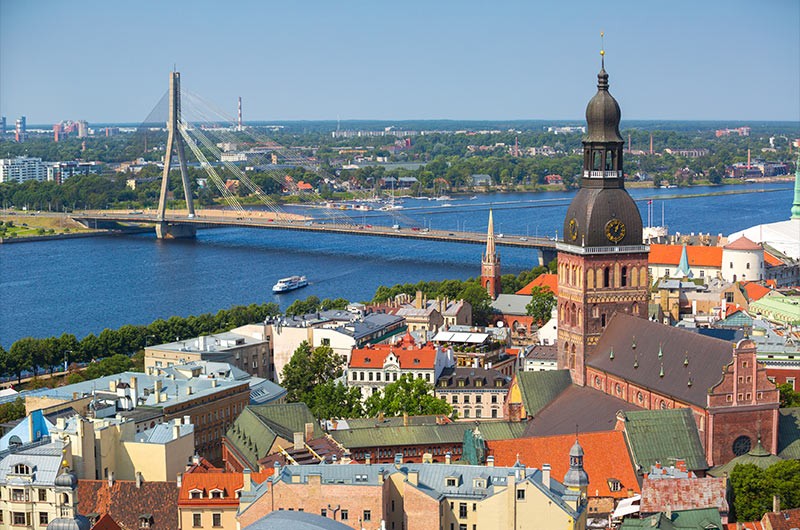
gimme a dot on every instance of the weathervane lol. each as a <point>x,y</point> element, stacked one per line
<point>602,50</point>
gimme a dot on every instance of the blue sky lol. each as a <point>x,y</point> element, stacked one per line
<point>108,61</point>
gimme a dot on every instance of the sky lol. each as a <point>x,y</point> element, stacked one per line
<point>318,60</point>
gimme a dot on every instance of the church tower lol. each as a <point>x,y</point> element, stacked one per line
<point>490,264</point>
<point>602,263</point>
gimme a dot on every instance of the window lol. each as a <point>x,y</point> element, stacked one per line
<point>466,413</point>
<point>520,495</point>
<point>42,495</point>
<point>18,518</point>
<point>466,398</point>
<point>455,399</point>
<point>196,494</point>
<point>144,522</point>
<point>197,520</point>
<point>494,413</point>
<point>216,494</point>
<point>367,515</point>
<point>18,495</point>
<point>478,399</point>
<point>451,483</point>
<point>216,519</point>
<point>43,519</point>
<point>344,516</point>
<point>462,510</point>
<point>22,469</point>
<point>326,342</point>
<point>742,445</point>
<point>614,484</point>
<point>478,413</point>
<point>323,512</point>
<point>494,398</point>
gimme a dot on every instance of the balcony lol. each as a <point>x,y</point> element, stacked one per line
<point>602,174</point>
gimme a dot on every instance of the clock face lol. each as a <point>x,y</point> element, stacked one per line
<point>573,229</point>
<point>615,230</point>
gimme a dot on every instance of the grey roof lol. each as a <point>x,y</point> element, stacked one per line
<point>263,391</point>
<point>541,352</point>
<point>471,377</point>
<point>291,520</point>
<point>162,433</point>
<point>451,433</point>
<point>369,325</point>
<point>511,304</point>
<point>79,522</point>
<point>636,343</point>
<point>44,459</point>
<point>218,342</point>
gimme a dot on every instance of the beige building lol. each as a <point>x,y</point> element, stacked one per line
<point>474,393</point>
<point>425,496</point>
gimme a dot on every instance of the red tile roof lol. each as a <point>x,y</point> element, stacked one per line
<point>106,522</point>
<point>742,244</point>
<point>548,281</point>
<point>124,502</point>
<point>745,526</point>
<point>229,483</point>
<point>605,457</point>
<point>409,355</point>
<point>783,520</point>
<point>684,494</point>
<point>698,256</point>
<point>771,260</point>
<point>754,291</point>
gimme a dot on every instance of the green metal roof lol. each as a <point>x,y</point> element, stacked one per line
<point>758,456</point>
<point>540,388</point>
<point>255,430</point>
<point>777,307</point>
<point>789,434</point>
<point>701,519</point>
<point>664,436</point>
<point>451,433</point>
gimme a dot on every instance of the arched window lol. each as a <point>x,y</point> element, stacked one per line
<point>607,277</point>
<point>616,275</point>
<point>590,278</point>
<point>624,277</point>
<point>609,160</point>
<point>597,160</point>
<point>643,276</point>
<point>634,277</point>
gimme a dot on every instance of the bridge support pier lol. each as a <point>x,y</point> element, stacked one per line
<point>170,231</point>
<point>546,256</point>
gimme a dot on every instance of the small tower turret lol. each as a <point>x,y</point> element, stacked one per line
<point>576,480</point>
<point>66,488</point>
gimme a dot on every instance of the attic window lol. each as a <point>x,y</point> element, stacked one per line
<point>451,482</point>
<point>498,383</point>
<point>22,469</point>
<point>460,382</point>
<point>478,382</point>
<point>216,494</point>
<point>614,484</point>
<point>360,478</point>
<point>367,360</point>
<point>443,383</point>
<point>416,361</point>
<point>196,494</point>
<point>145,520</point>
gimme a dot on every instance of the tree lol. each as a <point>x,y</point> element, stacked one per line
<point>541,305</point>
<point>785,481</point>
<point>308,368</point>
<point>752,496</point>
<point>409,395</point>
<point>480,301</point>
<point>334,400</point>
<point>13,410</point>
<point>789,398</point>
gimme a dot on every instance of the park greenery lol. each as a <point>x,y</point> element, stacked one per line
<point>407,395</point>
<point>789,397</point>
<point>541,305</point>
<point>37,355</point>
<point>753,488</point>
<point>313,304</point>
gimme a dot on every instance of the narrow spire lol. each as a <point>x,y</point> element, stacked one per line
<point>602,77</point>
<point>683,266</point>
<point>796,203</point>
<point>490,248</point>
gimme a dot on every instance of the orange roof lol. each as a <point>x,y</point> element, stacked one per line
<point>771,260</point>
<point>548,281</point>
<point>605,457</point>
<point>409,355</point>
<point>304,186</point>
<point>754,291</point>
<point>698,256</point>
<point>742,244</point>
<point>106,522</point>
<point>745,526</point>
<point>229,483</point>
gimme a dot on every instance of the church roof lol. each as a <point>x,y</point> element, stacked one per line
<point>664,436</point>
<point>546,281</point>
<point>636,343</point>
<point>603,113</point>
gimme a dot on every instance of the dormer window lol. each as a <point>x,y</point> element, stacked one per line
<point>478,382</point>
<point>498,383</point>
<point>196,494</point>
<point>614,485</point>
<point>479,483</point>
<point>461,382</point>
<point>451,482</point>
<point>217,494</point>
<point>22,469</point>
<point>145,520</point>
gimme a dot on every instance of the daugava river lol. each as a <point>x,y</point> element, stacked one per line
<point>81,286</point>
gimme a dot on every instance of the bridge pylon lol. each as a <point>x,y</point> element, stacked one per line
<point>165,230</point>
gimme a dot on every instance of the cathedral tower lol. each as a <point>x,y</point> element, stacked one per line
<point>602,263</point>
<point>490,264</point>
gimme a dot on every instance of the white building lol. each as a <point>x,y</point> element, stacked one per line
<point>742,261</point>
<point>22,169</point>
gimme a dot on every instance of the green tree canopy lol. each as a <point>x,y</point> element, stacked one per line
<point>407,394</point>
<point>309,368</point>
<point>754,487</point>
<point>541,305</point>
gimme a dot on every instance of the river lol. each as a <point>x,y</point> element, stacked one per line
<point>81,286</point>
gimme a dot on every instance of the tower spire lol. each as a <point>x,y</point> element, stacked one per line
<point>490,248</point>
<point>490,264</point>
<point>796,202</point>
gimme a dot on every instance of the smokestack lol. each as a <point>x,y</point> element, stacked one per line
<point>651,143</point>
<point>240,113</point>
<point>629,142</point>
<point>748,159</point>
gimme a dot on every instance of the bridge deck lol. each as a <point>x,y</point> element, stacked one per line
<point>324,226</point>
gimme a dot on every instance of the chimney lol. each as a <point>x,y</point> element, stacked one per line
<point>447,457</point>
<point>398,459</point>
<point>776,503</point>
<point>405,419</point>
<point>413,477</point>
<point>186,421</point>
<point>157,390</point>
<point>189,390</point>
<point>368,459</point>
<point>298,441</point>
<point>112,385</point>
<point>277,467</point>
<point>213,383</point>
<point>246,485</point>
<point>669,511</point>
<point>196,459</point>
<point>546,475</point>
<point>176,429</point>
<point>309,432</point>
<point>179,480</point>
<point>139,479</point>
<point>490,461</point>
<point>110,479</point>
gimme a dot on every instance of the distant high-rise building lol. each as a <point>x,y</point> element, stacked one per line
<point>57,132</point>
<point>21,169</point>
<point>3,124</point>
<point>21,130</point>
<point>83,129</point>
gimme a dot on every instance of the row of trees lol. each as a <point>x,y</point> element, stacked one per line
<point>313,376</point>
<point>753,488</point>
<point>34,355</point>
